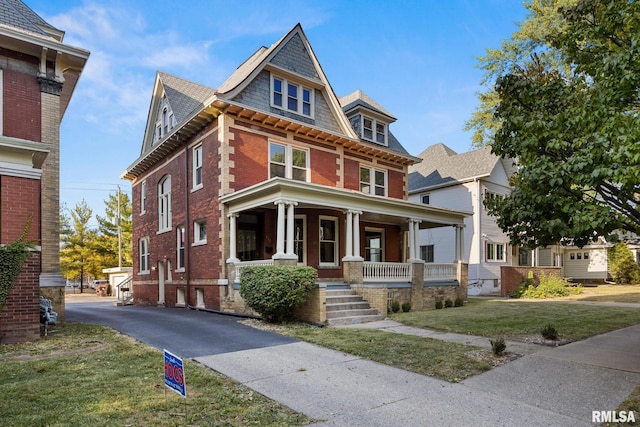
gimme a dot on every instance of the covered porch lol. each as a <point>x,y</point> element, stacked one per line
<point>351,238</point>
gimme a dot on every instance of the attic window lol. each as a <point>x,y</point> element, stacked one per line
<point>374,131</point>
<point>291,96</point>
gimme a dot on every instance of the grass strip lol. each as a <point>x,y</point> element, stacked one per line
<point>445,360</point>
<point>513,319</point>
<point>120,383</point>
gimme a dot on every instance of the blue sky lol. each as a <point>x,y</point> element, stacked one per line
<point>415,58</point>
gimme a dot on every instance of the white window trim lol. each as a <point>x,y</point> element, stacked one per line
<point>147,254</point>
<point>495,252</point>
<point>180,232</point>
<point>336,240</point>
<point>304,238</point>
<point>374,130</point>
<point>196,233</point>
<point>285,95</point>
<point>372,180</point>
<point>164,224</point>
<point>197,149</point>
<point>288,160</point>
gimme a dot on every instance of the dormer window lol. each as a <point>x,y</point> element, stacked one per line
<point>291,96</point>
<point>374,131</point>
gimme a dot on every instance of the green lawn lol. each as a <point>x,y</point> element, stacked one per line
<point>121,383</point>
<point>514,319</point>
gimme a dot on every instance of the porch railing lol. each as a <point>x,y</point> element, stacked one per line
<point>239,266</point>
<point>397,272</point>
<point>437,272</point>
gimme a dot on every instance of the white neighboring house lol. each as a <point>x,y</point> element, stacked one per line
<point>462,181</point>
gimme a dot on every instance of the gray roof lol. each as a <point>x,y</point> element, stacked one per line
<point>16,14</point>
<point>441,165</point>
<point>359,98</point>
<point>184,96</point>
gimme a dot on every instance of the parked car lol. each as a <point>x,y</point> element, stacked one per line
<point>96,283</point>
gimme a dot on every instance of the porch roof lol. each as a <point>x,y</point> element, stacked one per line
<point>308,195</point>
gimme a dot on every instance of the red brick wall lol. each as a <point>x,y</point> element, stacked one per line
<point>21,106</point>
<point>202,261</point>
<point>250,158</point>
<point>324,167</point>
<point>20,200</point>
<point>396,184</point>
<point>20,318</point>
<point>351,174</point>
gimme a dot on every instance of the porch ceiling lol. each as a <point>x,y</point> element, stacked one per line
<point>377,209</point>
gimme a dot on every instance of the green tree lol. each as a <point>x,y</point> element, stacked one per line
<point>528,42</point>
<point>77,258</point>
<point>569,116</point>
<point>622,264</point>
<point>115,245</point>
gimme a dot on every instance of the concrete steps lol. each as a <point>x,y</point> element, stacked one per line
<point>346,307</point>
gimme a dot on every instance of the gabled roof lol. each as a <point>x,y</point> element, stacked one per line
<point>195,106</point>
<point>441,165</point>
<point>183,96</point>
<point>16,14</point>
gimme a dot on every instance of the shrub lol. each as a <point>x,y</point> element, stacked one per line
<point>439,304</point>
<point>406,306</point>
<point>549,332</point>
<point>275,291</point>
<point>549,287</point>
<point>498,346</point>
<point>395,306</point>
<point>458,302</point>
<point>448,303</point>
<point>622,264</point>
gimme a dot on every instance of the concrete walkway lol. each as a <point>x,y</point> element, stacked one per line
<point>547,387</point>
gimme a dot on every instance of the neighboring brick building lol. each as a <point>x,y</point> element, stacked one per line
<point>38,74</point>
<point>271,167</point>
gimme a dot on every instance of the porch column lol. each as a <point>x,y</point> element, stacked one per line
<point>280,230</point>
<point>233,256</point>
<point>414,227</point>
<point>349,232</point>
<point>459,242</point>
<point>290,226</point>
<point>356,234</point>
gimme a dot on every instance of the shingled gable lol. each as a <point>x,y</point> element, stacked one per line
<point>442,166</point>
<point>305,68</point>
<point>183,97</point>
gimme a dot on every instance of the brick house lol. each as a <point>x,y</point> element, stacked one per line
<point>273,168</point>
<point>38,74</point>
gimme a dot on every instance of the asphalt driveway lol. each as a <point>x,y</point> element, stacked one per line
<point>184,332</point>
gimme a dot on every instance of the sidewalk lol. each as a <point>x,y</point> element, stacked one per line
<point>547,387</point>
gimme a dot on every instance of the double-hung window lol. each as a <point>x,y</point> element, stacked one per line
<point>426,253</point>
<point>374,131</point>
<point>180,238</point>
<point>164,204</point>
<point>328,241</point>
<point>291,96</point>
<point>373,181</point>
<point>144,255</point>
<point>495,252</point>
<point>197,167</point>
<point>288,162</point>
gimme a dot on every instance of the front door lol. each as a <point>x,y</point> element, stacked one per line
<point>374,245</point>
<point>249,237</point>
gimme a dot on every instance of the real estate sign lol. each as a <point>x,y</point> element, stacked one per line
<point>174,374</point>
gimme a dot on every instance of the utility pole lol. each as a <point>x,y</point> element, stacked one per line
<point>119,232</point>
